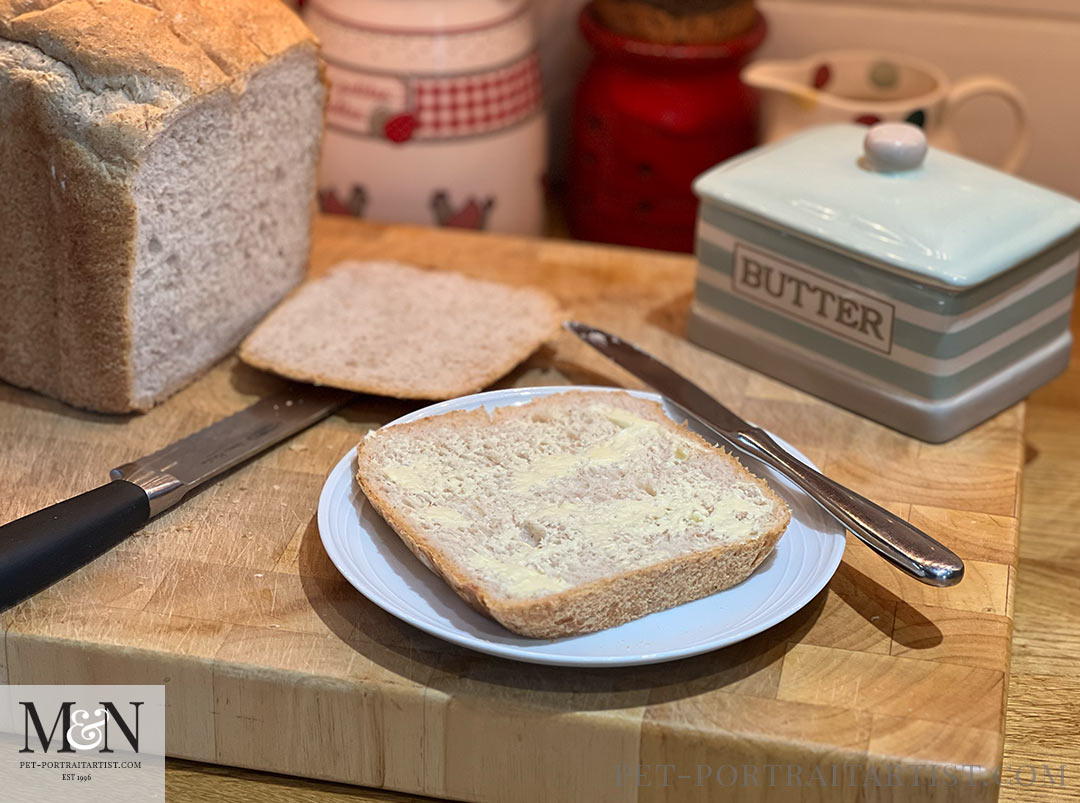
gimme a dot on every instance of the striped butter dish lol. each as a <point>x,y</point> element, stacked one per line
<point>912,286</point>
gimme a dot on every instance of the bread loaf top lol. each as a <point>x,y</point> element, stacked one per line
<point>116,71</point>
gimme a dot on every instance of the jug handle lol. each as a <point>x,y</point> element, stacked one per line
<point>976,85</point>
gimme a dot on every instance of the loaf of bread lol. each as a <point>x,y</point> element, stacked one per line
<point>157,177</point>
<point>676,22</point>
<point>575,512</point>
<point>400,330</point>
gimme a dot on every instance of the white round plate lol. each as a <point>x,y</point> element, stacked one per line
<point>374,560</point>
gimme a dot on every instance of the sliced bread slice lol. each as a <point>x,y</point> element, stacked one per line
<point>399,330</point>
<point>573,513</point>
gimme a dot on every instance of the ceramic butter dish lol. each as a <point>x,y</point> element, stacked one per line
<point>915,287</point>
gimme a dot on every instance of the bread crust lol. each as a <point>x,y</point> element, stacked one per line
<point>67,271</point>
<point>602,603</point>
<point>156,59</point>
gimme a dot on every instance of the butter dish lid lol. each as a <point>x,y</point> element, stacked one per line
<point>882,195</point>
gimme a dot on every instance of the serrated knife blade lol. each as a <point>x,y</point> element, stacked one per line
<point>191,461</point>
<point>901,544</point>
<point>43,547</point>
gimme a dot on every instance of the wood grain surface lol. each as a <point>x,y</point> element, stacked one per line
<point>1042,727</point>
<point>271,661</point>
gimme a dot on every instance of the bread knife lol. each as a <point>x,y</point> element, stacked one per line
<point>46,546</point>
<point>904,546</point>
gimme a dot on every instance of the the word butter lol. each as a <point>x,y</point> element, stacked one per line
<point>801,293</point>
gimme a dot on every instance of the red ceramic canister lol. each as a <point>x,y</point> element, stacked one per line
<point>648,118</point>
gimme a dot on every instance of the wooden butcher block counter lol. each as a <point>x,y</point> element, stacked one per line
<point>270,660</point>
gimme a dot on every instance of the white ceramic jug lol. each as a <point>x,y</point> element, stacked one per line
<point>435,112</point>
<point>844,86</point>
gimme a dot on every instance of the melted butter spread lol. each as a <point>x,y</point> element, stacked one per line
<point>539,525</point>
<point>624,418</point>
<point>545,468</point>
<point>596,521</point>
<point>633,430</point>
<point>446,516</point>
<point>412,477</point>
<point>541,469</point>
<point>524,581</point>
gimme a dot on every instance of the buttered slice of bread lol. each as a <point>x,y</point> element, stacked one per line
<point>572,513</point>
<point>399,330</point>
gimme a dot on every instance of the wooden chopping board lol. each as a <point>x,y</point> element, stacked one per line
<point>272,661</point>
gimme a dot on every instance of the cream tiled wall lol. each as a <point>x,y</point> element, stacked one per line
<point>1033,43</point>
<point>1067,8</point>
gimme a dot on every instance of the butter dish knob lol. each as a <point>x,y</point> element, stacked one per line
<point>894,147</point>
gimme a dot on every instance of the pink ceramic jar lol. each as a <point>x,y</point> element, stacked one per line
<point>435,114</point>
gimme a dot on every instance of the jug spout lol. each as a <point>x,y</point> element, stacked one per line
<point>779,76</point>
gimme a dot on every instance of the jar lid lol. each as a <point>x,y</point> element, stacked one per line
<point>882,195</point>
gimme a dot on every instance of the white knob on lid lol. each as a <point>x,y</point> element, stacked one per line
<point>894,147</point>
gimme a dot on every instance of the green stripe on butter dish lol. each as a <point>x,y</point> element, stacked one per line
<point>880,366</point>
<point>953,344</point>
<point>932,343</point>
<point>875,279</point>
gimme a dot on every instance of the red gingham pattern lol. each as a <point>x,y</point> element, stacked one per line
<point>467,105</point>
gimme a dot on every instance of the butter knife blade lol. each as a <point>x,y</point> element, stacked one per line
<point>901,544</point>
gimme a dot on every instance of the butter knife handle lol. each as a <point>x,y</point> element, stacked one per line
<point>43,547</point>
<point>906,547</point>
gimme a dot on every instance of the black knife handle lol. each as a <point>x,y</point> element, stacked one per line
<point>46,546</point>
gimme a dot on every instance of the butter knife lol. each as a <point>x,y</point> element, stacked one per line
<point>904,546</point>
<point>43,547</point>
